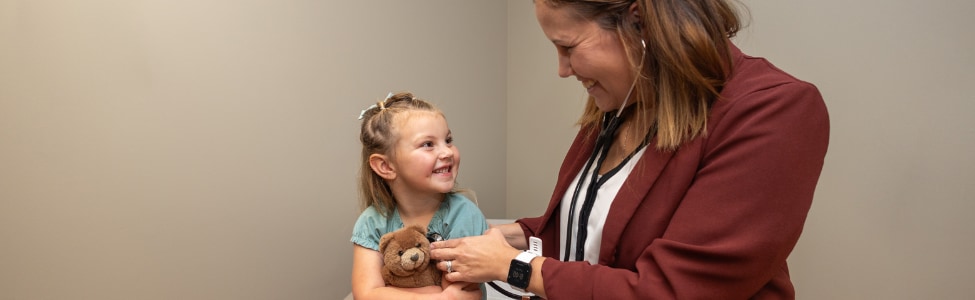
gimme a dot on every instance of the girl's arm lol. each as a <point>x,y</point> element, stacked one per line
<point>367,282</point>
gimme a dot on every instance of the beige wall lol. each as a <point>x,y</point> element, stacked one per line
<point>208,149</point>
<point>892,215</point>
<point>542,110</point>
<point>891,218</point>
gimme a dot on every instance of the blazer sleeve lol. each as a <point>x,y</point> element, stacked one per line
<point>740,217</point>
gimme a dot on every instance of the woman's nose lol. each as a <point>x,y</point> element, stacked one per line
<point>565,67</point>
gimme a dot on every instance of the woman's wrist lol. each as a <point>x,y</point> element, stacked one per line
<point>505,264</point>
<point>537,284</point>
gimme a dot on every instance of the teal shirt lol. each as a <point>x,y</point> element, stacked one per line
<point>457,217</point>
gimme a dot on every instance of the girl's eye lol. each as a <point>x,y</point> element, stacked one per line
<point>427,144</point>
<point>450,140</point>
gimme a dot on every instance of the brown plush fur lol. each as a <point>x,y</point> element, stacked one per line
<point>406,258</point>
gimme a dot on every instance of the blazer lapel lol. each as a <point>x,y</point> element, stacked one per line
<point>576,158</point>
<point>631,195</point>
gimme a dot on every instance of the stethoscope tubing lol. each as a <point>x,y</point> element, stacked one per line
<point>604,141</point>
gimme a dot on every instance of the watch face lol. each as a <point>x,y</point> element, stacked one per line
<point>519,273</point>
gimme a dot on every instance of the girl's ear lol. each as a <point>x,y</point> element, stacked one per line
<point>382,166</point>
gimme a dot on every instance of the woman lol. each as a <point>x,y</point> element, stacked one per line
<point>697,163</point>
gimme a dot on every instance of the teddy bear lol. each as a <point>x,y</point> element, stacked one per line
<point>406,258</point>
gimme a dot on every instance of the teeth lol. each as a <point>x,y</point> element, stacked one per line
<point>588,83</point>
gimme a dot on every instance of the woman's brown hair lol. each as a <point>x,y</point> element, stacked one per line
<point>686,64</point>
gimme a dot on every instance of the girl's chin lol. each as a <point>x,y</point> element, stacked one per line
<point>446,188</point>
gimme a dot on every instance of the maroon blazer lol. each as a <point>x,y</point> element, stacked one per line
<point>715,219</point>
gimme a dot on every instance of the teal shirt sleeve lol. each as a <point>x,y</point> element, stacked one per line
<point>369,228</point>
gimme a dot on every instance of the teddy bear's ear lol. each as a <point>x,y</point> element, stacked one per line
<point>384,241</point>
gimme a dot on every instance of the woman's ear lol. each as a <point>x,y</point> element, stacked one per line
<point>633,15</point>
<point>382,166</point>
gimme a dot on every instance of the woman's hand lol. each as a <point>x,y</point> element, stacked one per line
<point>475,258</point>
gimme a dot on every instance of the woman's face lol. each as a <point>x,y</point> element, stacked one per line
<point>594,55</point>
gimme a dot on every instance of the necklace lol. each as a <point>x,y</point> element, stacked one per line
<point>626,137</point>
<point>621,151</point>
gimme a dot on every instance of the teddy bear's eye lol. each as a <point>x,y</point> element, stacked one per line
<point>401,252</point>
<point>418,245</point>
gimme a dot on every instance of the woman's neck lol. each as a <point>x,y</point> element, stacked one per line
<point>628,139</point>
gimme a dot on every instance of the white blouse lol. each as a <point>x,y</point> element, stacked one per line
<point>600,209</point>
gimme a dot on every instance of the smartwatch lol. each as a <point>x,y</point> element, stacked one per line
<point>520,271</point>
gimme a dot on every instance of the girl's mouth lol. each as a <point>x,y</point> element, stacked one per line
<point>443,170</point>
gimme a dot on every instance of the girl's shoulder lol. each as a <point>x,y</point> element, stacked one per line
<point>461,203</point>
<point>371,226</point>
<point>464,216</point>
<point>370,216</point>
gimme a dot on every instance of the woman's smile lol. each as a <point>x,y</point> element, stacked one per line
<point>592,54</point>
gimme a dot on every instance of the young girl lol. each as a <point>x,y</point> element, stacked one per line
<point>407,177</point>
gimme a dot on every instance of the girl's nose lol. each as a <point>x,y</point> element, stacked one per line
<point>445,153</point>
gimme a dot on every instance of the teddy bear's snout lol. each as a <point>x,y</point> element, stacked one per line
<point>413,259</point>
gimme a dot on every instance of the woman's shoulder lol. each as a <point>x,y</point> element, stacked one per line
<point>756,85</point>
<point>760,98</point>
<point>753,74</point>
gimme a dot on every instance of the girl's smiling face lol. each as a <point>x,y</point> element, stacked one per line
<point>425,160</point>
<point>594,55</point>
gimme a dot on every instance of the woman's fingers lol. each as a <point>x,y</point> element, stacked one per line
<point>447,266</point>
<point>448,249</point>
<point>474,258</point>
<point>444,244</point>
<point>455,277</point>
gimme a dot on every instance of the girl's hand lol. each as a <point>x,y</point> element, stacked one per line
<point>462,290</point>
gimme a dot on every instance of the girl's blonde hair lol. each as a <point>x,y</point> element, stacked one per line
<point>378,136</point>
